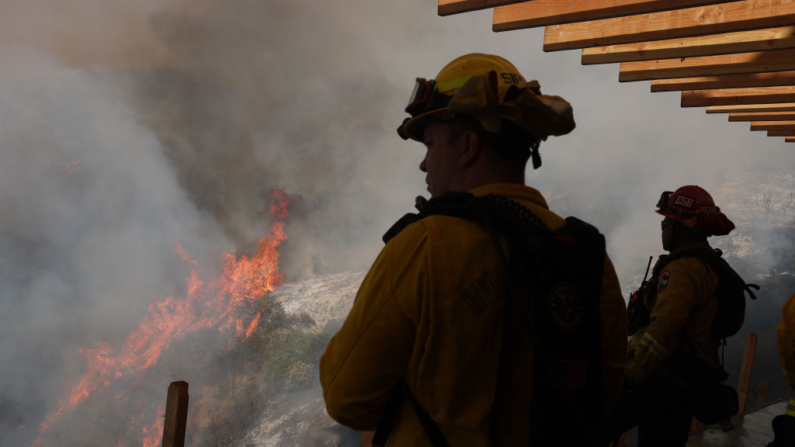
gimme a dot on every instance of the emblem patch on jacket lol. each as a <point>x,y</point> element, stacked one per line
<point>565,307</point>
<point>662,281</point>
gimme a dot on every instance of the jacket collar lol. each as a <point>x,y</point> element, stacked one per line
<point>512,191</point>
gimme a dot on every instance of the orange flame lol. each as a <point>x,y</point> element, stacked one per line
<point>70,165</point>
<point>153,433</point>
<point>242,281</point>
<point>184,254</point>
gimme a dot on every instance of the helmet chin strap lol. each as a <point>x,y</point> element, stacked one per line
<point>535,155</point>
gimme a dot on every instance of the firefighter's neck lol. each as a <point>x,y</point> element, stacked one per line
<point>476,180</point>
<point>487,169</point>
<point>683,237</point>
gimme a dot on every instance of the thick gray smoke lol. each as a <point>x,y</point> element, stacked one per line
<point>90,215</point>
<point>129,128</point>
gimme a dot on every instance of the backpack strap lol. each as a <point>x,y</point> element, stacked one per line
<point>431,428</point>
<point>453,204</point>
<point>393,410</point>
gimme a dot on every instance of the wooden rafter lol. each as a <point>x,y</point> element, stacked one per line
<point>552,12</point>
<point>763,61</point>
<point>730,96</point>
<point>752,108</point>
<point>732,56</point>
<point>773,125</point>
<point>781,133</point>
<point>774,79</point>
<point>447,7</point>
<point>739,42</point>
<point>722,18</point>
<point>789,139</point>
<point>768,116</point>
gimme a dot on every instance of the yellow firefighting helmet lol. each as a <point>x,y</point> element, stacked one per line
<point>430,99</point>
<point>490,89</point>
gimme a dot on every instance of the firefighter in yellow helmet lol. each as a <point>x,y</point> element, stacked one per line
<point>439,347</point>
<point>784,425</point>
<point>674,363</point>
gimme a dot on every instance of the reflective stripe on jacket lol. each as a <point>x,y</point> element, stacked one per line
<point>681,317</point>
<point>427,312</point>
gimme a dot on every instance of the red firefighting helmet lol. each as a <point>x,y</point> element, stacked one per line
<point>694,207</point>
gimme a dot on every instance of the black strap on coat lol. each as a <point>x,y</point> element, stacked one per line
<point>393,410</point>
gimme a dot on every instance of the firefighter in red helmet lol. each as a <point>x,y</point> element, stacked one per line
<point>674,362</point>
<point>693,208</point>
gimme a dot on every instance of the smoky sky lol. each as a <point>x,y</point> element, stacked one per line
<point>126,128</point>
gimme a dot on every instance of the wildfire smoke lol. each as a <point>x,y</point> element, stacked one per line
<point>224,304</point>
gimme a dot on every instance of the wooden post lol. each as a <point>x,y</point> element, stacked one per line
<point>176,415</point>
<point>747,369</point>
<point>764,391</point>
<point>367,439</point>
<point>622,441</point>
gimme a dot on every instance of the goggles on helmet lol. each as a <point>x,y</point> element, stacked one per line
<point>421,96</point>
<point>664,198</point>
<point>428,96</point>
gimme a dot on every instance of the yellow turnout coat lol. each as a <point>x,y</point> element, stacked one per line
<point>426,313</point>
<point>681,317</point>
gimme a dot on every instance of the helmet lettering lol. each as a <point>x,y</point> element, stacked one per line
<point>511,78</point>
<point>685,201</point>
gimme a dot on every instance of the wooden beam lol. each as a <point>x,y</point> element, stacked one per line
<point>730,96</point>
<point>789,139</point>
<point>723,18</point>
<point>773,125</point>
<point>746,369</point>
<point>176,415</point>
<point>769,116</point>
<point>554,12</point>
<point>763,61</point>
<point>764,393</point>
<point>729,81</point>
<point>751,108</point>
<point>738,42</point>
<point>448,7</point>
<point>781,133</point>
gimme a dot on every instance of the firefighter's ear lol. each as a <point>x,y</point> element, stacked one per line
<point>470,147</point>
